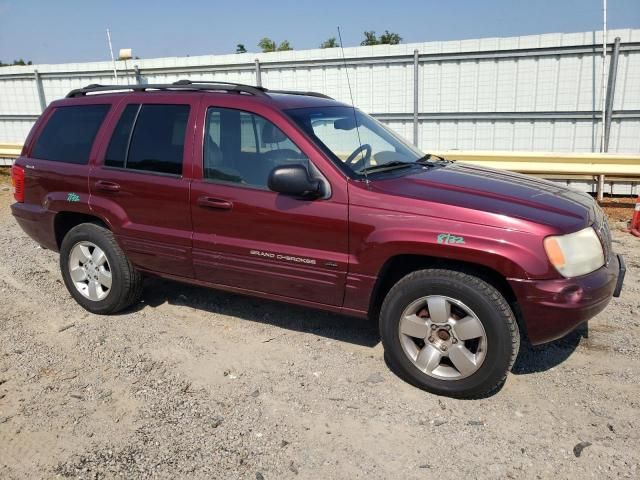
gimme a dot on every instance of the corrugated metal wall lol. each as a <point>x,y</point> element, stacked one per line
<point>534,93</point>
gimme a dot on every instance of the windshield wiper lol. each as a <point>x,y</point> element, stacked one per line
<point>429,156</point>
<point>393,165</point>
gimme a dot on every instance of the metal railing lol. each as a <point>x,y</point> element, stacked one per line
<point>595,168</point>
<point>552,163</point>
<point>9,151</point>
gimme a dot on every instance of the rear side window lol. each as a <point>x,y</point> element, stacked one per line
<point>69,134</point>
<point>149,138</point>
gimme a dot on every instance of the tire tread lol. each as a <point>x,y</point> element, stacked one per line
<point>482,287</point>
<point>131,277</point>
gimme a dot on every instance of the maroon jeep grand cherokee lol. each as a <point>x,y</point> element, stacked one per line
<point>296,197</point>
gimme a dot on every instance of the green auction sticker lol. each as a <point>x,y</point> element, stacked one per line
<point>447,238</point>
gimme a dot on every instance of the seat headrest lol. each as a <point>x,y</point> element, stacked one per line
<point>272,134</point>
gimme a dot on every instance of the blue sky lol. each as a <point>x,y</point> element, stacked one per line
<point>49,31</point>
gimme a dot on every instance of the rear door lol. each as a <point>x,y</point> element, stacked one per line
<point>249,237</point>
<point>141,183</point>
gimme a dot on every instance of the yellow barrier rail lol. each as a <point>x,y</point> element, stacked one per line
<point>9,151</point>
<point>551,163</point>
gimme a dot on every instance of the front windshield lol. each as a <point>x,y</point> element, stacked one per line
<point>366,148</point>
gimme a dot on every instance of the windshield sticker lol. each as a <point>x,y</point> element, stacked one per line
<point>447,238</point>
<point>73,197</point>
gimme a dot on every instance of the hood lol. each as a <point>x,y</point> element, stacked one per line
<point>496,191</point>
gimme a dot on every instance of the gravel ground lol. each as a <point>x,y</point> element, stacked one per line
<point>202,384</point>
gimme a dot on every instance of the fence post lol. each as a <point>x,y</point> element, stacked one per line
<point>258,74</point>
<point>40,89</point>
<point>137,74</point>
<point>608,111</point>
<point>600,191</point>
<point>611,89</point>
<point>415,96</point>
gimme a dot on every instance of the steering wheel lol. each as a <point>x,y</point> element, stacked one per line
<point>363,160</point>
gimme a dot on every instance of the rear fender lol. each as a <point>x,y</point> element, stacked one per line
<point>67,202</point>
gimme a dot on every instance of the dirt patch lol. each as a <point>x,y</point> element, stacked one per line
<point>5,177</point>
<point>201,384</point>
<point>619,209</point>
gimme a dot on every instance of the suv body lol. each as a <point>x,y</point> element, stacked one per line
<point>182,179</point>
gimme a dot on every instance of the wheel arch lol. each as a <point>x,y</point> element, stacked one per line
<point>64,221</point>
<point>398,266</point>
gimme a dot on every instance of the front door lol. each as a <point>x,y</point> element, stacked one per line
<point>249,237</point>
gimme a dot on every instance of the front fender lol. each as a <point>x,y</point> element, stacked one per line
<point>509,252</point>
<point>512,254</point>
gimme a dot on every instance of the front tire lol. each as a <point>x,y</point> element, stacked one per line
<point>449,333</point>
<point>96,271</point>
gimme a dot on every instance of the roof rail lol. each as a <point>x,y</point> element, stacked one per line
<point>294,92</point>
<point>179,85</point>
<point>188,85</point>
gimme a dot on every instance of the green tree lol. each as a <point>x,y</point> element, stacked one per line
<point>267,45</point>
<point>240,48</point>
<point>330,43</point>
<point>284,46</point>
<point>390,38</point>
<point>370,39</point>
<point>20,62</point>
<point>387,38</point>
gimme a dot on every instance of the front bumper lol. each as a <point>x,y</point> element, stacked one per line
<point>552,308</point>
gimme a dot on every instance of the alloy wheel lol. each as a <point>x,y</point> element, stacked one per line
<point>443,337</point>
<point>90,271</point>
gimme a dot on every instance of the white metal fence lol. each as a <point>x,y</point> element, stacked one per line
<point>532,93</point>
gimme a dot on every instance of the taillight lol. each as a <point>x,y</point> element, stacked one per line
<point>17,179</point>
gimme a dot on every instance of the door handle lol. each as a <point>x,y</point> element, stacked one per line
<point>217,203</point>
<point>107,186</point>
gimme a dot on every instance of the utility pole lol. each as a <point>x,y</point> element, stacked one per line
<point>603,94</point>
<point>604,70</point>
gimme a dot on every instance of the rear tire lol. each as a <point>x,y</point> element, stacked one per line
<point>449,333</point>
<point>96,271</point>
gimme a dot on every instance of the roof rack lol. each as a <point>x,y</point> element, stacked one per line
<point>179,85</point>
<point>294,92</point>
<point>188,85</point>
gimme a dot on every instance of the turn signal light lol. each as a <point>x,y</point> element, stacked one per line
<point>554,252</point>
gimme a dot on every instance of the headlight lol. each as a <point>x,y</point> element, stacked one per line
<point>575,254</point>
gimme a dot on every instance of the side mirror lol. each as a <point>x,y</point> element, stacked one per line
<point>294,180</point>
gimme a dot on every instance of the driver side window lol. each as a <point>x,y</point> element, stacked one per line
<point>241,147</point>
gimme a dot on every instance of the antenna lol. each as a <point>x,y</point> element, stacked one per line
<point>115,72</point>
<point>353,105</point>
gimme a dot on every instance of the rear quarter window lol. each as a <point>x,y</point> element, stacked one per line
<point>69,133</point>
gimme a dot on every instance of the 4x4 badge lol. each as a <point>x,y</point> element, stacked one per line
<point>448,238</point>
<point>73,197</point>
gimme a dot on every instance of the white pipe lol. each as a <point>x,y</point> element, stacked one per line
<point>115,71</point>
<point>603,90</point>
